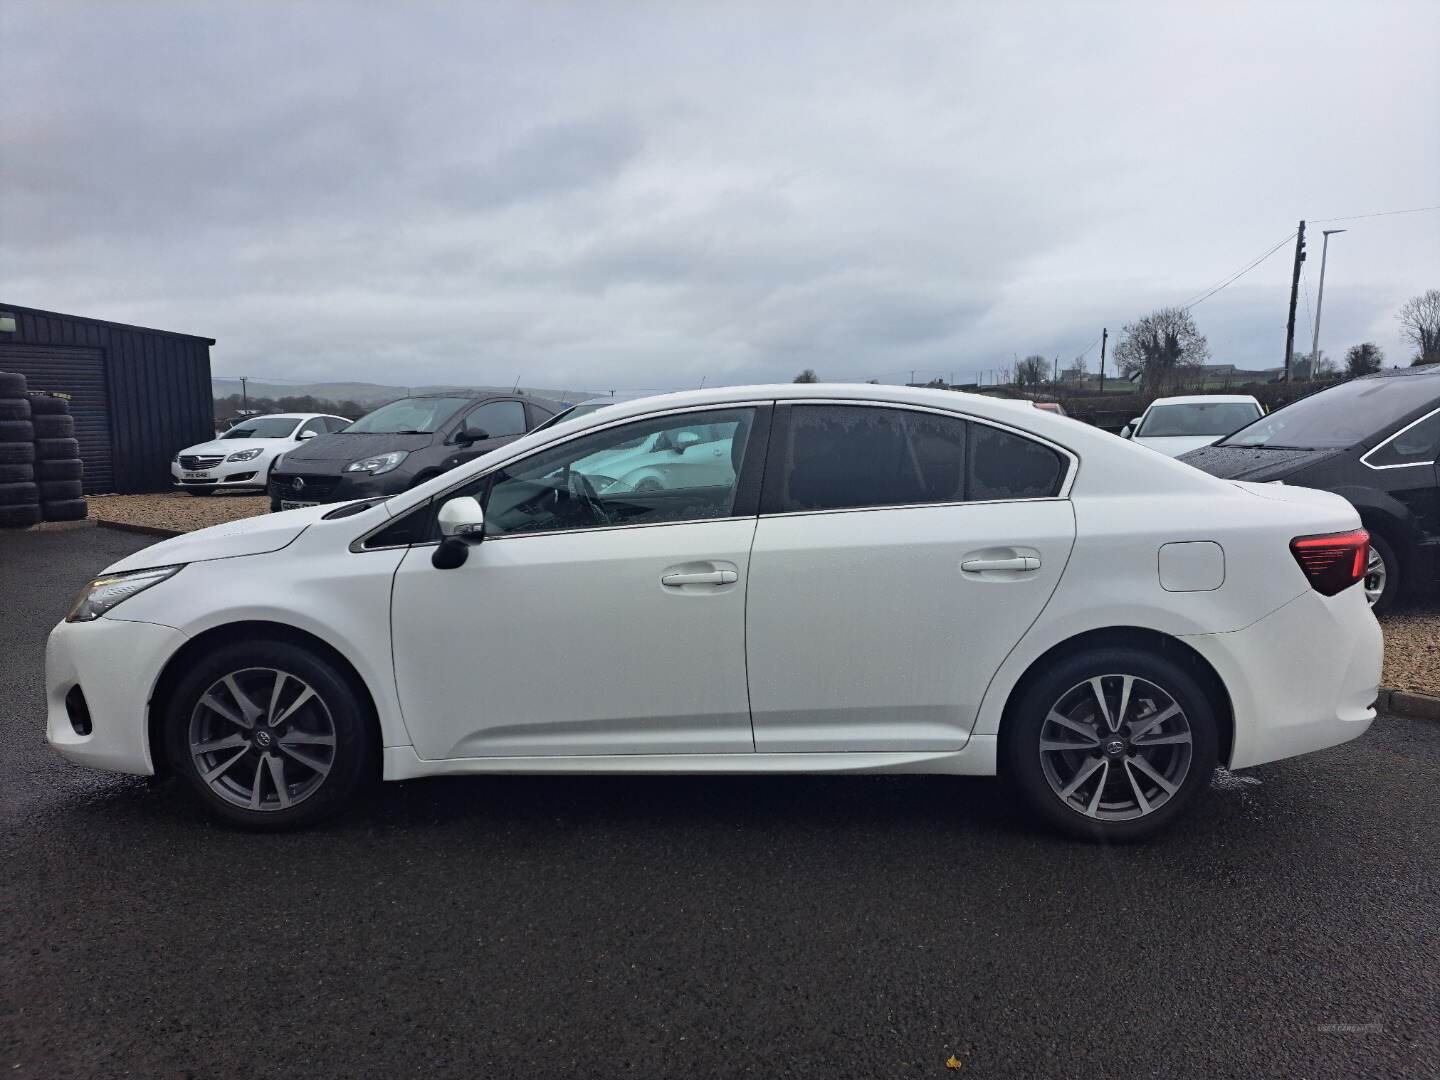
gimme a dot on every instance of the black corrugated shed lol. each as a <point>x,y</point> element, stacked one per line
<point>137,395</point>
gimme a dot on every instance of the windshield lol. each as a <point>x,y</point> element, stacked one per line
<point>408,416</point>
<point>1196,418</point>
<point>1333,419</point>
<point>266,427</point>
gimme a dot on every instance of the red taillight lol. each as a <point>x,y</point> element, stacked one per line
<point>1334,561</point>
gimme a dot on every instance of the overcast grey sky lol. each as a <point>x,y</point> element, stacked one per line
<point>642,195</point>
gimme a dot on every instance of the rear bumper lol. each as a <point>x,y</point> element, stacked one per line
<point>116,665</point>
<point>1303,678</point>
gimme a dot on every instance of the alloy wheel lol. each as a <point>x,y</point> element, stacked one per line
<point>1375,576</point>
<point>1115,747</point>
<point>262,739</point>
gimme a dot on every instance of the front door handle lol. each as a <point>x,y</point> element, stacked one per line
<point>1012,562</point>
<point>675,579</point>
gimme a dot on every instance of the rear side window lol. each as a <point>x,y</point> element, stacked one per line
<point>1417,445</point>
<point>836,457</point>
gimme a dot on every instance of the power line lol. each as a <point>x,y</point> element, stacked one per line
<point>1378,213</point>
<point>1225,282</point>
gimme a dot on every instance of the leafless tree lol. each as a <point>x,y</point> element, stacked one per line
<point>1077,370</point>
<point>1420,323</point>
<point>1363,359</point>
<point>1165,347</point>
<point>1032,370</point>
<point>807,376</point>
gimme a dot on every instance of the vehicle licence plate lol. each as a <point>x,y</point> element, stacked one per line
<point>194,474</point>
<point>290,504</point>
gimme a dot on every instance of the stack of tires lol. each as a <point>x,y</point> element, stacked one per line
<point>57,460</point>
<point>19,496</point>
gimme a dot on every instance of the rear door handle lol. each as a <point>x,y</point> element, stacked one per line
<point>1013,562</point>
<point>675,579</point>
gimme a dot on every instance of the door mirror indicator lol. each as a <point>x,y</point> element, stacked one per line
<point>462,518</point>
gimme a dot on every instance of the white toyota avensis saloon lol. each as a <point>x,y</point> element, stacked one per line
<point>883,579</point>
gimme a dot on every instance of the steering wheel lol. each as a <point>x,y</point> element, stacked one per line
<point>582,493</point>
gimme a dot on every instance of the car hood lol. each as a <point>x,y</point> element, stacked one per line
<point>341,448</point>
<point>248,536</point>
<point>1257,463</point>
<point>232,446</point>
<point>1175,445</point>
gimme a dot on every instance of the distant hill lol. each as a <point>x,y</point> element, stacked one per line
<point>370,394</point>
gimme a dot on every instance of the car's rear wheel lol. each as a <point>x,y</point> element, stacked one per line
<point>269,735</point>
<point>1112,744</point>
<point>1382,574</point>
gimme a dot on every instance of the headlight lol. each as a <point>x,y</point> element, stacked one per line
<point>245,455</point>
<point>104,593</point>
<point>380,463</point>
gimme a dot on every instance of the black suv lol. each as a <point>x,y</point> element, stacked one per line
<point>1373,440</point>
<point>402,444</point>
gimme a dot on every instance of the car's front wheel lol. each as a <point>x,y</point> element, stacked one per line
<point>269,735</point>
<point>1112,744</point>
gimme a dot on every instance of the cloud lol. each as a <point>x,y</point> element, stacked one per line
<point>642,196</point>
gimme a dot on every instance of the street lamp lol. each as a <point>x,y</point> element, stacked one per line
<point>1320,302</point>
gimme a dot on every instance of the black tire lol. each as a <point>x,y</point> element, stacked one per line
<point>17,431</point>
<point>1394,573</point>
<point>17,474</point>
<point>54,427</point>
<point>12,384</point>
<point>14,408</point>
<point>19,517</point>
<point>63,469</point>
<point>1021,736</point>
<point>55,490</point>
<point>65,510</point>
<point>45,405</point>
<point>17,453</point>
<point>19,493</point>
<point>274,505</point>
<point>355,761</point>
<point>56,449</point>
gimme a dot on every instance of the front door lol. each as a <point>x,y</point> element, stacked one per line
<point>596,617</point>
<point>899,556</point>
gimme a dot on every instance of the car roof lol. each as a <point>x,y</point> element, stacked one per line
<point>283,416</point>
<point>1404,372</point>
<point>1205,399</point>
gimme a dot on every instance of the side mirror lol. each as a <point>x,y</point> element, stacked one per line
<point>685,440</point>
<point>462,518</point>
<point>467,435</point>
<point>306,435</point>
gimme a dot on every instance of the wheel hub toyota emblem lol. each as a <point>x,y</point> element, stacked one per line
<point>1114,747</point>
<point>263,739</point>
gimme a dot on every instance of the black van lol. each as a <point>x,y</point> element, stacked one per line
<point>1373,440</point>
<point>402,444</point>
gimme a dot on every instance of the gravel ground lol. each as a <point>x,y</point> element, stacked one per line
<point>1412,647</point>
<point>174,510</point>
<point>1412,634</point>
<point>695,927</point>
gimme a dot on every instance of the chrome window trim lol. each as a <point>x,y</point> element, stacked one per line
<point>1404,464</point>
<point>357,545</point>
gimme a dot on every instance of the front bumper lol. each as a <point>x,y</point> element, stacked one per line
<point>238,474</point>
<point>116,665</point>
<point>335,487</point>
<point>1303,678</point>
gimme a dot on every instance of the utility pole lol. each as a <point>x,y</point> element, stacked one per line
<point>1104,336</point>
<point>244,395</point>
<point>1294,296</point>
<point>1055,378</point>
<point>1320,301</point>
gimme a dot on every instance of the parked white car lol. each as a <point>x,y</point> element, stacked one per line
<point>1177,425</point>
<point>888,580</point>
<point>241,458</point>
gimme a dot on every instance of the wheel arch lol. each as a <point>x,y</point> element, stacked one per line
<point>228,634</point>
<point>1134,637</point>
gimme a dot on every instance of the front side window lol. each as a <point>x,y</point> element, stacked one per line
<point>408,416</point>
<point>1196,419</point>
<point>1418,445</point>
<point>315,424</point>
<point>496,420</point>
<point>837,457</point>
<point>664,469</point>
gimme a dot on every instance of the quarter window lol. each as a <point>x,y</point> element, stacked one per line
<point>837,457</point>
<point>1415,446</point>
<point>665,469</point>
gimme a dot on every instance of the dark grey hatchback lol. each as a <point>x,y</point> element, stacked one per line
<point>402,444</point>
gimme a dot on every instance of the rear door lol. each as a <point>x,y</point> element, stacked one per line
<point>1409,473</point>
<point>899,556</point>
